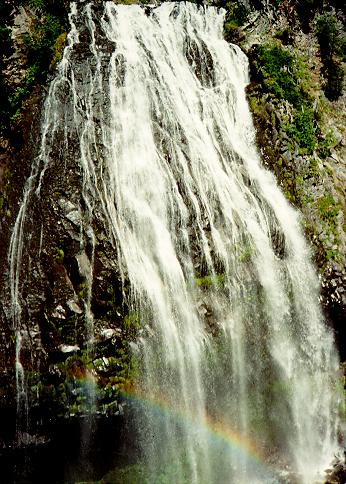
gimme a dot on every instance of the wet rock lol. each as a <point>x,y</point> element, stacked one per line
<point>73,306</point>
<point>102,364</point>
<point>108,333</point>
<point>84,266</point>
<point>69,348</point>
<point>59,312</point>
<point>337,474</point>
<point>66,205</point>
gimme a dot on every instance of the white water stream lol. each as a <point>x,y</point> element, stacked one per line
<point>238,368</point>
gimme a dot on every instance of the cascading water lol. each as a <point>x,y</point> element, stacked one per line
<point>237,367</point>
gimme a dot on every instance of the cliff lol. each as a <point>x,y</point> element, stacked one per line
<point>296,52</point>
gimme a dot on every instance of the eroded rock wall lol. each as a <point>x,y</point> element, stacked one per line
<point>59,253</point>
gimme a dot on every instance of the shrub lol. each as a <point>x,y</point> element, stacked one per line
<point>335,80</point>
<point>328,35</point>
<point>236,16</point>
<point>277,70</point>
<point>17,97</point>
<point>303,129</point>
<point>58,50</point>
<point>332,45</point>
<point>306,10</point>
<point>40,49</point>
<point>40,41</point>
<point>237,12</point>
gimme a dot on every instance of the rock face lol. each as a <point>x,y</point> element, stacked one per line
<point>67,323</point>
<point>310,165</point>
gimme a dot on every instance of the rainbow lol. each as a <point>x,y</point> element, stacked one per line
<point>217,429</point>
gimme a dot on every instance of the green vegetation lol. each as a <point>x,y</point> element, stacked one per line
<point>303,129</point>
<point>283,76</point>
<point>326,143</point>
<point>60,254</point>
<point>306,11</point>
<point>58,50</point>
<point>281,98</point>
<point>5,51</point>
<point>41,49</point>
<point>131,326</point>
<point>332,42</point>
<point>246,252</point>
<point>236,16</point>
<point>216,281</point>
<point>140,473</point>
<point>276,69</point>
<point>107,371</point>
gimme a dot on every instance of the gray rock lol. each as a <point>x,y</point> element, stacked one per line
<point>66,205</point>
<point>75,217</point>
<point>108,333</point>
<point>84,266</point>
<point>335,157</point>
<point>69,348</point>
<point>338,138</point>
<point>73,306</point>
<point>278,117</point>
<point>59,312</point>
<point>287,155</point>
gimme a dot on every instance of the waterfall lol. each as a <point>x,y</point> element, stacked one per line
<point>237,369</point>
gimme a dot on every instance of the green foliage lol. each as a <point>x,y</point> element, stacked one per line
<point>21,93</point>
<point>281,100</point>
<point>58,50</point>
<point>237,13</point>
<point>41,40</point>
<point>217,281</point>
<point>131,326</point>
<point>303,129</point>
<point>328,207</point>
<point>329,210</point>
<point>329,36</point>
<point>277,70</point>
<point>246,253</point>
<point>306,10</point>
<point>167,473</point>
<point>326,144</point>
<point>284,77</point>
<point>60,254</point>
<point>285,35</point>
<point>40,48</point>
<point>5,51</point>
<point>5,35</point>
<point>335,80</point>
<point>236,16</point>
<point>87,380</point>
<point>232,32</point>
<point>83,290</point>
<point>332,42</point>
<point>332,254</point>
<point>36,3</point>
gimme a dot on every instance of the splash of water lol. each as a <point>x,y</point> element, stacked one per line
<point>232,331</point>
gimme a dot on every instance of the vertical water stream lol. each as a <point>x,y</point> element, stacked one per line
<point>237,366</point>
